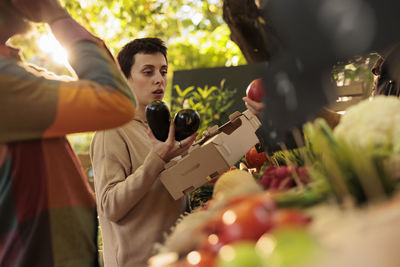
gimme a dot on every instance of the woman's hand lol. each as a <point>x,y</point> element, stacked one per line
<point>170,148</point>
<point>254,106</point>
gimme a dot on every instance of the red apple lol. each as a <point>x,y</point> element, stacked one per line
<point>256,91</point>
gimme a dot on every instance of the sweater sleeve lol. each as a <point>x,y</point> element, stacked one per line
<point>118,190</point>
<point>35,104</point>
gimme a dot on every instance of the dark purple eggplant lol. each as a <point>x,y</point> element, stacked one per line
<point>159,119</point>
<point>187,122</point>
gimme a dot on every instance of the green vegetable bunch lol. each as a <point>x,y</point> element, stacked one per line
<point>354,172</point>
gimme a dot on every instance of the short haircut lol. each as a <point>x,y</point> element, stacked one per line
<point>142,45</point>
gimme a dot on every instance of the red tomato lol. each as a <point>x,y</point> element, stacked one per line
<point>247,220</point>
<point>255,159</point>
<point>244,217</point>
<point>255,91</point>
<point>212,244</point>
<point>250,222</point>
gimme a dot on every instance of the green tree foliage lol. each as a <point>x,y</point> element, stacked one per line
<point>193,30</point>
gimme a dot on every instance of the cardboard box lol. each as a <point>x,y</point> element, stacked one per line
<point>213,155</point>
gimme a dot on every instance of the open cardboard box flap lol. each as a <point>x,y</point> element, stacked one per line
<point>211,156</point>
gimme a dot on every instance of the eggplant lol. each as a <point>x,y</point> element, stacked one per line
<point>159,119</point>
<point>187,122</point>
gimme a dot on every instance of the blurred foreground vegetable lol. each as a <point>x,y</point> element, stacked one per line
<point>372,124</point>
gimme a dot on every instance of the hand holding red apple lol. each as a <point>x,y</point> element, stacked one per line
<point>255,92</point>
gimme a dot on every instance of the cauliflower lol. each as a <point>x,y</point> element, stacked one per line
<point>372,123</point>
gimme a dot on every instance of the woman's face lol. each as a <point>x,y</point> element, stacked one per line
<point>148,77</point>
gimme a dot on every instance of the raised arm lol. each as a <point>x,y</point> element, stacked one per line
<point>35,105</point>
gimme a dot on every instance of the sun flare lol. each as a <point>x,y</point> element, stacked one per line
<point>49,45</point>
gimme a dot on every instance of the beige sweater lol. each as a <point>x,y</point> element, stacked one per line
<point>134,207</point>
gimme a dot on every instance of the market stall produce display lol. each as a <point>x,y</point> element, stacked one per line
<point>321,205</point>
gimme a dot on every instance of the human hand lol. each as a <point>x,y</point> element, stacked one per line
<point>254,106</point>
<point>170,148</point>
<point>46,11</point>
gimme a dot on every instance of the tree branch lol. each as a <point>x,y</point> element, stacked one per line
<point>253,33</point>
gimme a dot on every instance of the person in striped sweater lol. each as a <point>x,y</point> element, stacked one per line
<point>47,208</point>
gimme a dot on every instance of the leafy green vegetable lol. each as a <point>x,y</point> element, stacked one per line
<point>353,172</point>
<point>201,195</point>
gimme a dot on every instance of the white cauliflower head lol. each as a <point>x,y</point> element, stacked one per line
<point>372,123</point>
